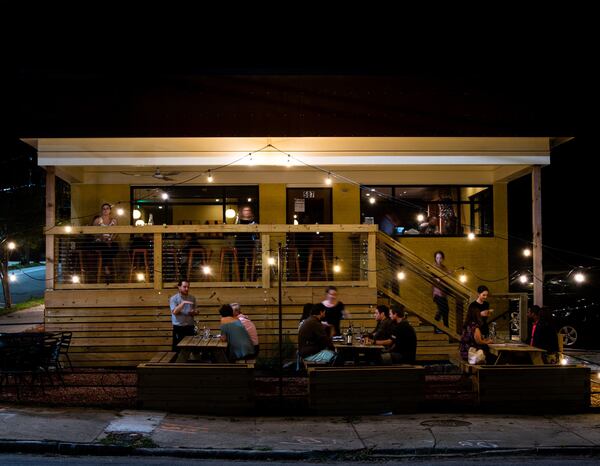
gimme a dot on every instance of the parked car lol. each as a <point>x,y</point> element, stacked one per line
<point>578,323</point>
<point>575,307</point>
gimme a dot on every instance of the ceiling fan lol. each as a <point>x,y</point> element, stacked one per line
<point>164,176</point>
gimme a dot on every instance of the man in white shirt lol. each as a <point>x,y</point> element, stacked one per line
<point>183,310</point>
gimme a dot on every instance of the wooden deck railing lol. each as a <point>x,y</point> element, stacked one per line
<point>309,254</point>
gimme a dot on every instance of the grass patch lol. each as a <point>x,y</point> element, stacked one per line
<point>26,266</point>
<point>134,440</point>
<point>24,305</point>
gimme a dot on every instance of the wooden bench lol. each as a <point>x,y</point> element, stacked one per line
<point>249,362</point>
<point>196,387</point>
<point>163,357</point>
<point>366,390</point>
<point>546,388</point>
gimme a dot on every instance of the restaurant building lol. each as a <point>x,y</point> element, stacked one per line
<point>365,214</point>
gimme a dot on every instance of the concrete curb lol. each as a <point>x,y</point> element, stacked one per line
<point>97,449</point>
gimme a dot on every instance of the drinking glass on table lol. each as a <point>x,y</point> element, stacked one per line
<point>206,332</point>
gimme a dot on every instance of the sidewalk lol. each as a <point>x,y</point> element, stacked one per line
<point>101,432</point>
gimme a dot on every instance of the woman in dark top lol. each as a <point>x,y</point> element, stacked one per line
<point>334,310</point>
<point>472,335</point>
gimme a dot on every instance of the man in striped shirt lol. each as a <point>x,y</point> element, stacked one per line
<point>248,325</point>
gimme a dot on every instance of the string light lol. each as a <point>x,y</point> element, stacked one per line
<point>11,245</point>
<point>579,277</point>
<point>210,177</point>
<point>462,278</point>
<point>75,279</point>
<point>68,229</point>
<point>164,196</point>
<point>527,252</point>
<point>401,275</point>
<point>140,277</point>
<point>206,270</point>
<point>471,236</point>
<point>271,261</point>
<point>523,279</point>
<point>420,217</point>
<point>337,268</point>
<point>328,179</point>
<point>12,278</point>
<point>372,200</point>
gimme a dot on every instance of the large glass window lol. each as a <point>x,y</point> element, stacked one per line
<point>192,205</point>
<point>429,210</point>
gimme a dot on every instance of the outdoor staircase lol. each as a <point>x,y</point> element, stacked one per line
<point>415,293</point>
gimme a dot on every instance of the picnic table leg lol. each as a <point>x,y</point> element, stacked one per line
<point>183,356</point>
<point>536,359</point>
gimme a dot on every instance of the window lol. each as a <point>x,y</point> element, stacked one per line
<point>192,205</point>
<point>429,210</point>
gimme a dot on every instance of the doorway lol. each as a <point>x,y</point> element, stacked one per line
<point>309,255</point>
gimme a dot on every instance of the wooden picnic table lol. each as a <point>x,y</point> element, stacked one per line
<point>356,349</point>
<point>505,351</point>
<point>214,346</point>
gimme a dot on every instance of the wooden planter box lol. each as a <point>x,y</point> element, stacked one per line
<point>546,388</point>
<point>366,390</point>
<point>196,388</point>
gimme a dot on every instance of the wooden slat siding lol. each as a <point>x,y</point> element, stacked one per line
<point>121,329</point>
<point>198,388</point>
<point>534,388</point>
<point>379,389</point>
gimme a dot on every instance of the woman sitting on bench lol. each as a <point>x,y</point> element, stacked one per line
<point>239,345</point>
<point>472,335</point>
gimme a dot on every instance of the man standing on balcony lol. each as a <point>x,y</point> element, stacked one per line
<point>183,310</point>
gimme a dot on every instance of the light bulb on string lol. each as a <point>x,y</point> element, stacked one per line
<point>210,177</point>
<point>401,275</point>
<point>164,196</point>
<point>471,236</point>
<point>12,278</point>
<point>11,245</point>
<point>527,252</point>
<point>328,179</point>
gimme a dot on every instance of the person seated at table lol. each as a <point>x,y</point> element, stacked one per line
<point>472,335</point>
<point>248,325</point>
<point>305,313</point>
<point>403,339</point>
<point>383,329</point>
<point>239,345</point>
<point>314,344</point>
<point>543,335</point>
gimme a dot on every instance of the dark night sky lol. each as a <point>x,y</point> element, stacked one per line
<point>533,94</point>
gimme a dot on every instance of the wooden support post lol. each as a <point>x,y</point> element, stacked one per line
<point>158,265</point>
<point>50,222</point>
<point>372,259</point>
<point>538,270</point>
<point>265,240</point>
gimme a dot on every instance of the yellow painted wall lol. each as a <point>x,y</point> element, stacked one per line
<point>272,203</point>
<point>346,203</point>
<point>86,201</point>
<point>485,257</point>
